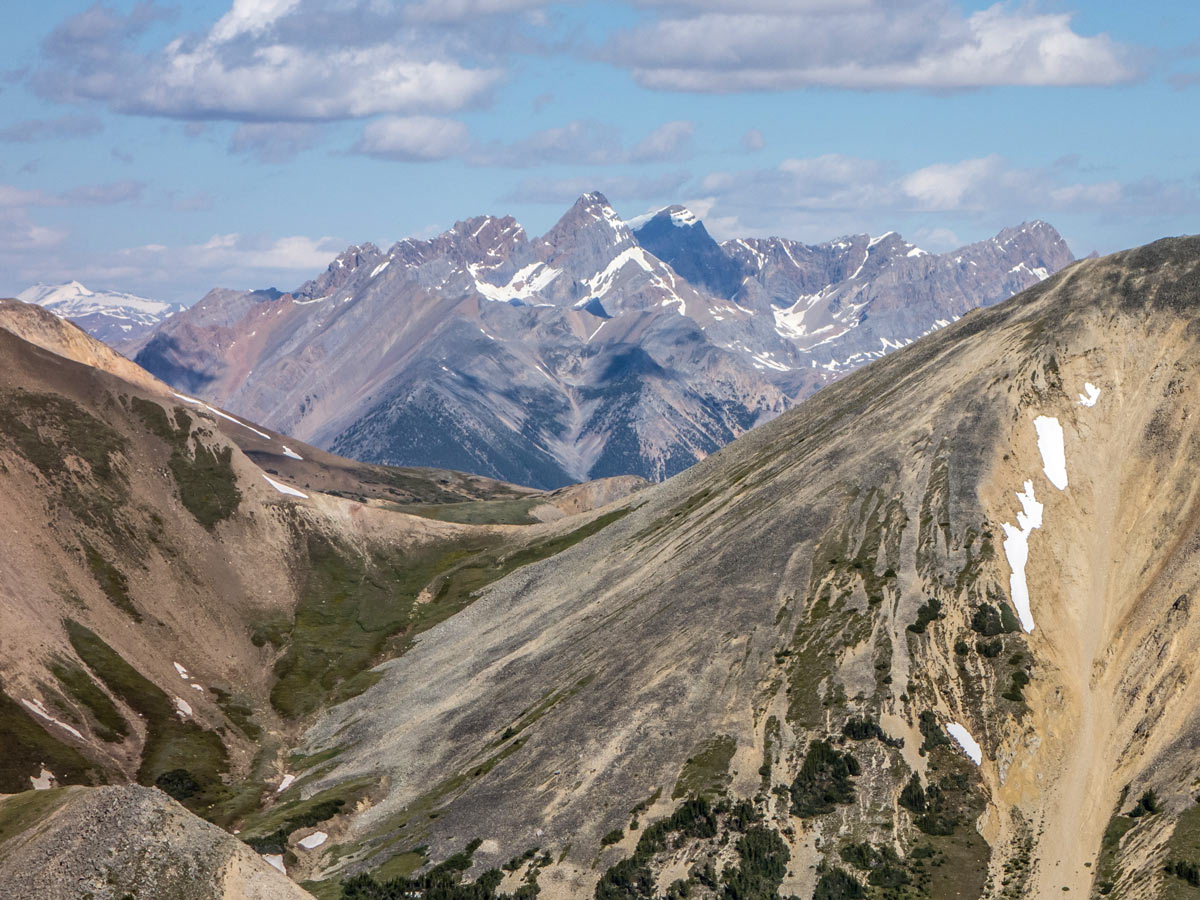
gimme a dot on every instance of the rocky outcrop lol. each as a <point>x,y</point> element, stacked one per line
<point>110,843</point>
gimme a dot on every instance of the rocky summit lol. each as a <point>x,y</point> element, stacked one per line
<point>928,634</point>
<point>602,348</point>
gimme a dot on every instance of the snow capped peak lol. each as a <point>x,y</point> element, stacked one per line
<point>679,216</point>
<point>683,217</point>
<point>71,299</point>
<point>597,206</point>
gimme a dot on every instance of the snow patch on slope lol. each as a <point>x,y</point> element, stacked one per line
<point>969,745</point>
<point>36,707</point>
<point>531,280</point>
<point>1054,454</point>
<point>1016,549</point>
<point>285,489</point>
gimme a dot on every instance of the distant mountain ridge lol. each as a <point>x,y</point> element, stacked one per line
<point>603,347</point>
<point>110,316</point>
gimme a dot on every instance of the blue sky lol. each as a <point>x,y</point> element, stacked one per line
<point>166,149</point>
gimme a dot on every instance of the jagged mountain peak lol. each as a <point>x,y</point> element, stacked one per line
<point>507,338</point>
<point>675,235</point>
<point>590,213</point>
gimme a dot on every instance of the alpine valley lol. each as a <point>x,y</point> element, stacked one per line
<point>602,348</point>
<point>930,633</point>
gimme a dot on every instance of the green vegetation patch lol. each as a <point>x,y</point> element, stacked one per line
<point>838,884</point>
<point>928,612</point>
<point>112,581</point>
<point>207,483</point>
<point>354,609</point>
<point>762,864</point>
<point>49,431</point>
<point>990,621</point>
<point>241,715</point>
<point>706,772</point>
<point>108,723</point>
<point>1182,854</point>
<point>1110,851</point>
<point>28,746</point>
<point>478,512</point>
<point>205,477</point>
<point>864,729</point>
<point>270,829</point>
<point>155,419</point>
<point>443,882</point>
<point>823,781</point>
<point>22,811</point>
<point>172,744</point>
<point>885,868</point>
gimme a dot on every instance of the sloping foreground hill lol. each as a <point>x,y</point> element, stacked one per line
<point>823,620</point>
<point>125,841</point>
<point>175,609</point>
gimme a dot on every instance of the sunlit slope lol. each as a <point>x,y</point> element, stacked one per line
<point>841,575</point>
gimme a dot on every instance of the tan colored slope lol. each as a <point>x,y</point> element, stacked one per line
<point>316,469</point>
<point>48,331</point>
<point>780,577</point>
<point>115,842</point>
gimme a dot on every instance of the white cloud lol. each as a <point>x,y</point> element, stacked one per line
<point>413,138</point>
<point>263,60</point>
<point>250,17</point>
<point>813,198</point>
<point>726,46</point>
<point>667,141</point>
<point>236,252</point>
<point>945,185</point>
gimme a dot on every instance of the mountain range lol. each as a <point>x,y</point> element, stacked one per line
<point>110,316</point>
<point>928,634</point>
<point>601,348</point>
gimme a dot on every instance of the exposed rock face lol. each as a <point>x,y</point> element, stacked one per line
<point>111,316</point>
<point>165,589</point>
<point>110,843</point>
<point>799,667</point>
<point>841,574</point>
<point>597,349</point>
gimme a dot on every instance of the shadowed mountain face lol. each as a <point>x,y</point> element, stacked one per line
<point>600,348</point>
<point>928,634</point>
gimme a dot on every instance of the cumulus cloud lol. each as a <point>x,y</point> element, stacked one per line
<point>272,142</point>
<point>264,60</point>
<point>68,126</point>
<point>730,45</point>
<point>413,138</point>
<point>666,142</point>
